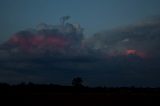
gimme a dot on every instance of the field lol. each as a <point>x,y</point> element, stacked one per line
<point>54,95</point>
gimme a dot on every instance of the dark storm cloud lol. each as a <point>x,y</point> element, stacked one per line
<point>91,64</point>
<point>143,36</point>
<point>116,71</point>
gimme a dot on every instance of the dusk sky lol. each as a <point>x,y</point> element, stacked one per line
<point>93,15</point>
<point>119,45</point>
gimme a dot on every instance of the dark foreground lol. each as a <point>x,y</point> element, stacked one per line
<point>55,95</point>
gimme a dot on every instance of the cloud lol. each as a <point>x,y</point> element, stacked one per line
<point>117,71</point>
<point>92,61</point>
<point>142,37</point>
<point>59,39</point>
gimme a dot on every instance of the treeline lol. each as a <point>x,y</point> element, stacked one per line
<point>31,87</point>
<point>79,95</point>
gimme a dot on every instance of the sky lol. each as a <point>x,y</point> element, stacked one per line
<point>121,49</point>
<point>93,15</point>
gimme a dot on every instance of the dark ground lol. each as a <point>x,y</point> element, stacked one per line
<point>55,95</point>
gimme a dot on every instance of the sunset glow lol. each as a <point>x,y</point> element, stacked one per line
<point>136,52</point>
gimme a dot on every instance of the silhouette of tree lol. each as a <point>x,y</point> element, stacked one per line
<point>77,82</point>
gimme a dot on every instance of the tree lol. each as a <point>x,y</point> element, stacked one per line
<point>77,82</point>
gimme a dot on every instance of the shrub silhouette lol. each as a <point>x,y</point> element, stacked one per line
<point>77,82</point>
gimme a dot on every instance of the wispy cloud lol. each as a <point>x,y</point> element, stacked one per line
<point>142,36</point>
